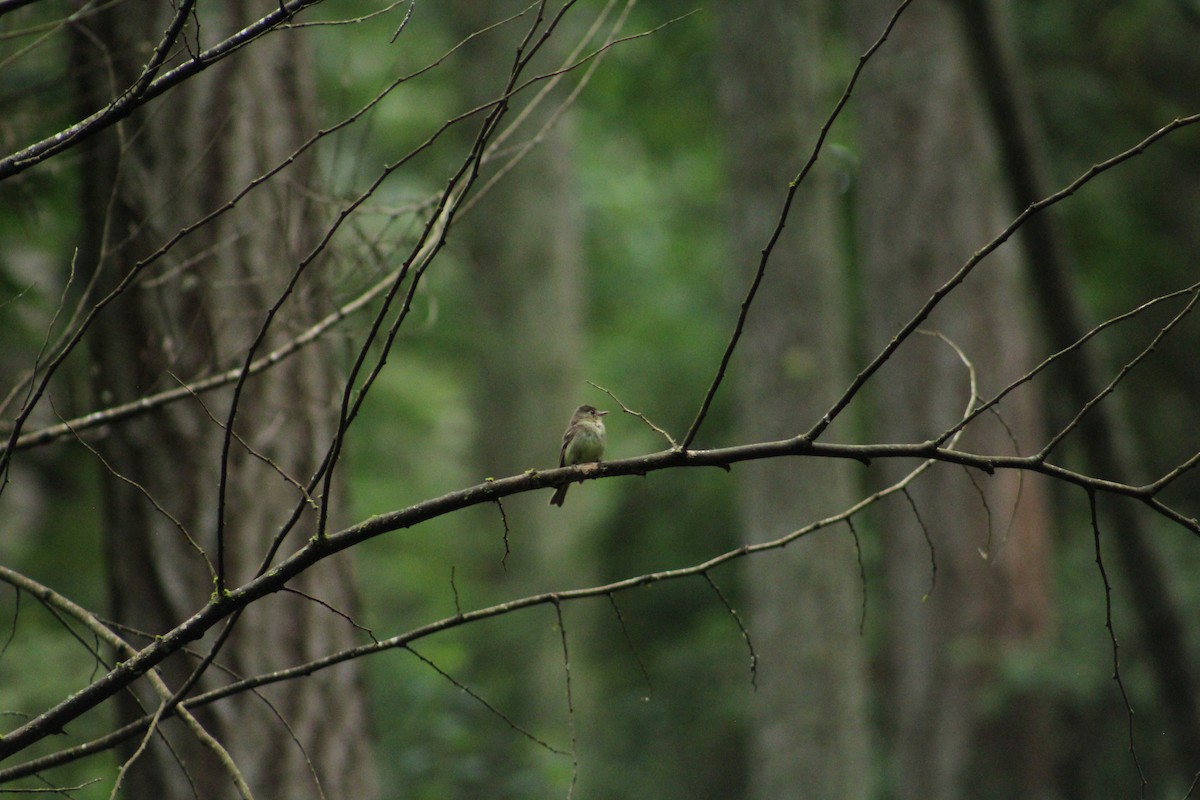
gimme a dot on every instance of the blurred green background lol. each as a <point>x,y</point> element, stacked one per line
<point>664,706</point>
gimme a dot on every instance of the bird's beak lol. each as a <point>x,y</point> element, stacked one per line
<point>601,413</point>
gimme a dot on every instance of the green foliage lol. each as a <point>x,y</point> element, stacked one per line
<point>661,693</point>
<point>661,308</point>
<point>650,176</point>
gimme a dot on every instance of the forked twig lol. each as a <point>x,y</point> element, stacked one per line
<point>961,275</point>
<point>793,188</point>
<point>639,415</point>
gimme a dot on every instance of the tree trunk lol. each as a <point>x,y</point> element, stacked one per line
<point>966,562</point>
<point>1105,439</point>
<point>810,736</point>
<point>196,312</point>
<point>523,242</point>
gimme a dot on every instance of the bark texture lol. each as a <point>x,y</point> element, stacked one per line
<point>966,560</point>
<point>811,735</point>
<point>195,312</point>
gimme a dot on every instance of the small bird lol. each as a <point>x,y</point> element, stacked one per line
<point>583,442</point>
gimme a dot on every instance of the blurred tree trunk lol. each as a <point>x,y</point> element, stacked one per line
<point>811,735</point>
<point>524,248</point>
<point>930,195</point>
<point>197,312</point>
<point>527,268</point>
<point>1105,438</point>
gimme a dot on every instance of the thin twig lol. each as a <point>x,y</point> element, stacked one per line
<point>149,497</point>
<point>507,720</point>
<point>130,101</point>
<point>503,521</point>
<point>1112,635</point>
<point>562,633</point>
<point>454,591</point>
<point>1120,376</point>
<point>68,343</point>
<point>862,575</point>
<point>912,504</point>
<point>670,440</point>
<point>632,650</point>
<point>1051,359</point>
<point>332,610</point>
<point>793,188</point>
<point>741,626</point>
<point>961,275</point>
<point>262,457</point>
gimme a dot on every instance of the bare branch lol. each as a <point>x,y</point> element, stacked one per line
<point>629,643</point>
<point>316,551</point>
<point>136,271</point>
<point>1071,348</point>
<point>904,333</point>
<point>1125,370</point>
<point>483,702</point>
<point>1112,635</point>
<point>146,90</point>
<point>154,502</point>
<point>670,440</point>
<point>793,188</point>
<point>566,656</point>
<point>741,627</point>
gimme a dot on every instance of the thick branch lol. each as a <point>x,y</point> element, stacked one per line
<point>221,606</point>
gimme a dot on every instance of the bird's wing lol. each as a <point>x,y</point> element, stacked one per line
<point>562,453</point>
